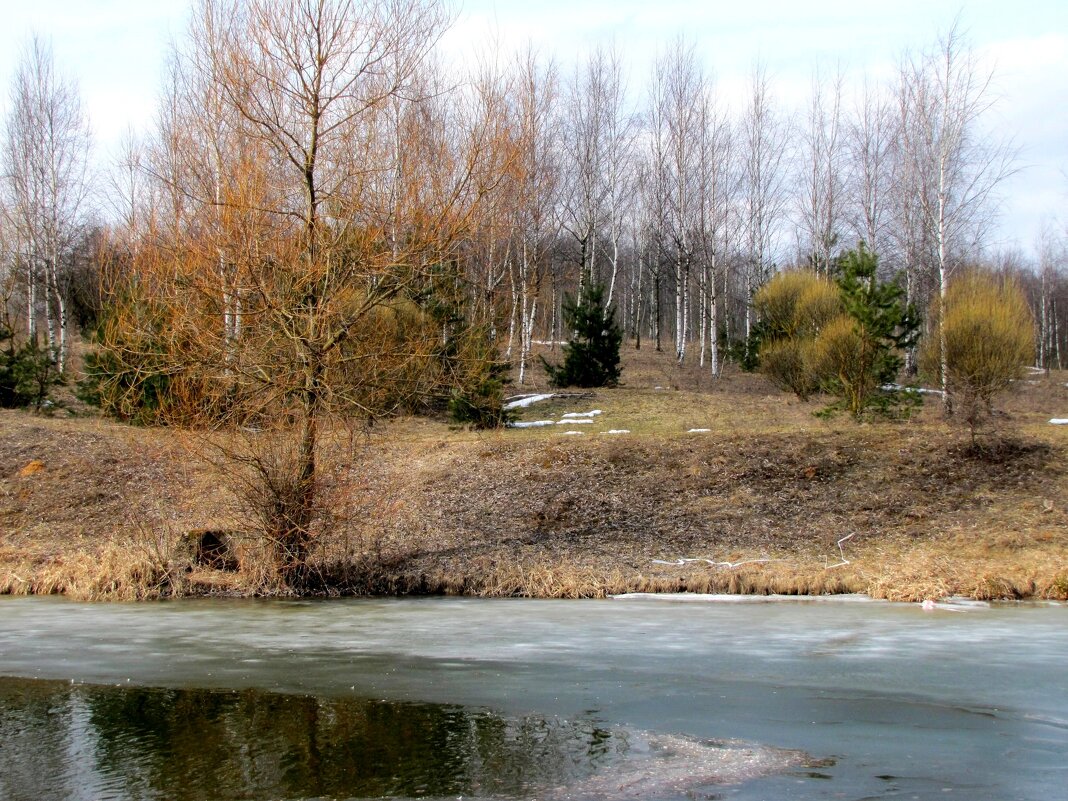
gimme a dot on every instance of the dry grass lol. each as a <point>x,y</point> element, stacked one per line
<point>420,507</point>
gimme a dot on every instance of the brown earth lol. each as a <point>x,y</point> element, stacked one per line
<point>905,510</point>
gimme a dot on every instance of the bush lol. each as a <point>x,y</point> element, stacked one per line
<point>27,373</point>
<point>787,364</point>
<point>796,304</point>
<point>793,308</point>
<point>988,331</point>
<point>843,337</point>
<point>591,358</point>
<point>477,397</point>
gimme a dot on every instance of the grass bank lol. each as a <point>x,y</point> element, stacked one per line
<point>765,499</point>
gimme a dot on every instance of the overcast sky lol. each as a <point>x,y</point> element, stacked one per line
<point>115,49</point>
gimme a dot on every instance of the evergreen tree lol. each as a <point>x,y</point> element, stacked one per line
<point>27,373</point>
<point>591,358</point>
<point>860,353</point>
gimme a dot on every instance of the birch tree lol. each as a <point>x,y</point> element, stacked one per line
<point>821,196</point>
<point>536,222</point>
<point>46,184</point>
<point>870,150</point>
<point>957,167</point>
<point>678,96</point>
<point>763,190</point>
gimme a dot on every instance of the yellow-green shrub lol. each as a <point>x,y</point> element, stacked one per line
<point>841,356</point>
<point>793,307</point>
<point>796,304</point>
<point>989,335</point>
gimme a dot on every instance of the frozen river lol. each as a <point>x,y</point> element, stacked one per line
<point>443,698</point>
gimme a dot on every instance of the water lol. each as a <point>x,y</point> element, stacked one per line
<point>442,698</point>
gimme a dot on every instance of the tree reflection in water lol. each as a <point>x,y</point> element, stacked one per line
<point>80,741</point>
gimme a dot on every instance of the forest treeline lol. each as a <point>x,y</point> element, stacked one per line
<point>682,205</point>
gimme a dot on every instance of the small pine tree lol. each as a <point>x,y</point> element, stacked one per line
<point>27,373</point>
<point>591,358</point>
<point>861,353</point>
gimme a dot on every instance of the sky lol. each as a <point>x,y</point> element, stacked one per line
<point>116,50</point>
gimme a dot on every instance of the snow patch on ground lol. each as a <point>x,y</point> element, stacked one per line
<point>1035,370</point>
<point>523,401</point>
<point>593,413</point>
<point>1059,421</point>
<point>573,422</point>
<point>534,424</point>
<point>699,431</point>
<point>617,431</point>
<point>917,390</point>
<point>567,433</point>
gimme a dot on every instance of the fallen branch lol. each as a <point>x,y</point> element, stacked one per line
<point>841,553</point>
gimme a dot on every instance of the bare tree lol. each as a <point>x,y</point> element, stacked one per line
<point>46,184</point>
<point>871,147</point>
<point>536,222</point>
<point>716,185</point>
<point>765,137</point>
<point>955,167</point>
<point>821,195</point>
<point>678,98</point>
<point>331,231</point>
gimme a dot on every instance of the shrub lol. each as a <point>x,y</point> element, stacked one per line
<point>796,304</point>
<point>591,358</point>
<point>988,331</point>
<point>793,308</point>
<point>787,364</point>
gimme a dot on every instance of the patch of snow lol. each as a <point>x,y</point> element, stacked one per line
<point>699,431</point>
<point>573,422</point>
<point>533,424</point>
<point>954,604</point>
<point>617,431</point>
<point>742,599</point>
<point>917,390</point>
<point>566,433</point>
<point>523,401</point>
<point>1059,421</point>
<point>594,413</point>
<point>548,342</point>
<point>714,563</point>
<point>657,387</point>
<point>1035,370</point>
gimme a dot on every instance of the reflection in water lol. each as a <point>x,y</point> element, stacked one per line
<point>82,741</point>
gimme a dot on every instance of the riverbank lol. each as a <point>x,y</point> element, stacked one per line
<point>677,484</point>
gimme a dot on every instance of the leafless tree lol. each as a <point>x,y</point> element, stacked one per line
<point>956,168</point>
<point>314,201</point>
<point>46,184</point>
<point>716,190</point>
<point>821,190</point>
<point>536,222</point>
<point>763,151</point>
<point>870,148</point>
